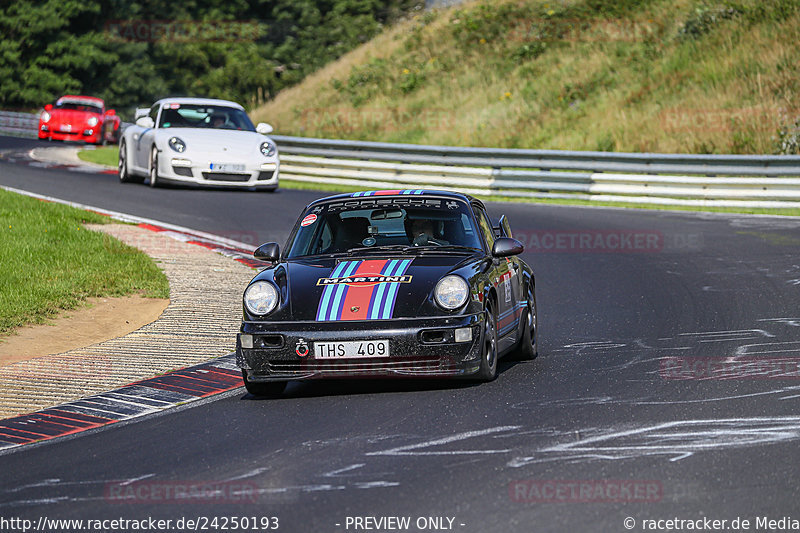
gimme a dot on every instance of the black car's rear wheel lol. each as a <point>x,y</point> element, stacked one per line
<point>488,369</point>
<point>528,345</point>
<point>268,388</point>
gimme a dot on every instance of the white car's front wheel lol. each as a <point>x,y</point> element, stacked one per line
<point>154,168</point>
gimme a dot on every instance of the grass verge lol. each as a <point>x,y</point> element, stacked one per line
<point>106,155</point>
<point>49,262</point>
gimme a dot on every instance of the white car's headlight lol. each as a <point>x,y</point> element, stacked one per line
<point>451,292</point>
<point>261,297</point>
<point>177,144</point>
<point>92,121</point>
<point>45,116</point>
<point>267,149</point>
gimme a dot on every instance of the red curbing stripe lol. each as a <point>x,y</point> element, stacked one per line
<point>16,439</point>
<point>10,430</point>
<point>43,420</point>
<point>87,419</point>
<point>201,381</point>
<point>193,389</point>
<point>151,227</point>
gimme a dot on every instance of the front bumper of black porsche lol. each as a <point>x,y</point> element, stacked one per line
<point>420,347</point>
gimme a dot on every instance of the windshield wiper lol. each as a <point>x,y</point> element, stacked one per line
<point>449,248</point>
<point>402,248</point>
<point>405,249</point>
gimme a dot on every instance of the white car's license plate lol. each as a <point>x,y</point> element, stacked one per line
<point>226,167</point>
<point>351,349</point>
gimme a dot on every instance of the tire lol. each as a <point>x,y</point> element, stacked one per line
<point>154,167</point>
<point>488,368</point>
<point>528,347</point>
<point>269,389</point>
<point>122,167</point>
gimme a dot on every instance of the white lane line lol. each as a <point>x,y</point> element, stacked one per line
<point>409,449</point>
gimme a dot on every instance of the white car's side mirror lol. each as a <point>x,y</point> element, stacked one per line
<point>141,112</point>
<point>263,128</point>
<point>145,122</point>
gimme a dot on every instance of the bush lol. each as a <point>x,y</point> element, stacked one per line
<point>787,141</point>
<point>703,19</point>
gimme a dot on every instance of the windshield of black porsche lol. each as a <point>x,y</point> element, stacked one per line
<point>381,223</point>
<point>204,116</point>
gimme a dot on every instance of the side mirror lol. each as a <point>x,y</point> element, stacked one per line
<point>111,112</point>
<point>141,112</point>
<point>268,252</point>
<point>48,107</point>
<point>506,246</point>
<point>263,128</point>
<point>145,122</point>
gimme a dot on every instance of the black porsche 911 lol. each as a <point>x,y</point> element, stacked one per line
<point>387,283</point>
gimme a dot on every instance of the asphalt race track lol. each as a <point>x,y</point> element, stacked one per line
<point>622,415</point>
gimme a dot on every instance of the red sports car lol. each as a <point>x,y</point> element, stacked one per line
<point>79,118</point>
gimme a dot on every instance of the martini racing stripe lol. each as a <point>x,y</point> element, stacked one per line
<point>333,293</point>
<point>384,297</point>
<point>510,319</point>
<point>358,296</point>
<point>362,301</point>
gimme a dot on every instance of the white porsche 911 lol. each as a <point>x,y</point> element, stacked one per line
<point>198,141</point>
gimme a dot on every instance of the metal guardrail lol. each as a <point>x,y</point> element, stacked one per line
<point>19,124</point>
<point>758,181</point>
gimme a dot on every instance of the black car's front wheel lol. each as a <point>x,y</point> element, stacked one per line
<point>528,344</point>
<point>268,388</point>
<point>488,369</point>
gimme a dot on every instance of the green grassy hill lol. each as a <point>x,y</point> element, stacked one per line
<point>631,75</point>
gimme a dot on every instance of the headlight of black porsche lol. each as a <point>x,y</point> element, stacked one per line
<point>177,144</point>
<point>267,149</point>
<point>451,292</point>
<point>261,298</point>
